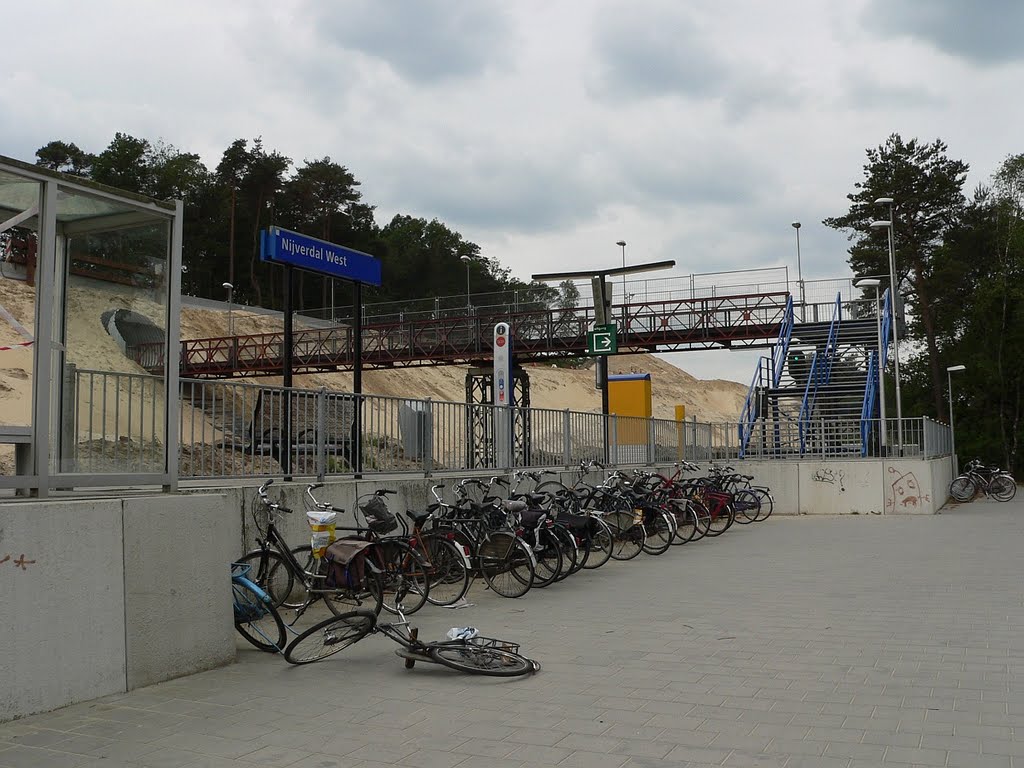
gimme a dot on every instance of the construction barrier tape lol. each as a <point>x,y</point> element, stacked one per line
<point>18,346</point>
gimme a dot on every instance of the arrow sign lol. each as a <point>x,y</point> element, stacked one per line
<point>602,340</point>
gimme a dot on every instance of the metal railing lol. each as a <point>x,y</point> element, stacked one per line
<point>235,429</point>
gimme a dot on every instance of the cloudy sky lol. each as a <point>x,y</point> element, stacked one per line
<point>545,130</point>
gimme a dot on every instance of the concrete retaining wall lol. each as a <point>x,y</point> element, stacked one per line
<point>100,597</point>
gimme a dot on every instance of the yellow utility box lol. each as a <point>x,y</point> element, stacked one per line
<point>629,398</point>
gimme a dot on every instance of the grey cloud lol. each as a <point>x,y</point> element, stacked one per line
<point>507,193</point>
<point>653,53</point>
<point>986,32</point>
<point>862,92</point>
<point>426,41</point>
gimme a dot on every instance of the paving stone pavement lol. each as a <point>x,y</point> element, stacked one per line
<point>853,641</point>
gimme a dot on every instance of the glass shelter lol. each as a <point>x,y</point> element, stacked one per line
<point>94,272</point>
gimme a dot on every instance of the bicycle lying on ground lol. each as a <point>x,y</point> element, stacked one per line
<point>465,651</point>
<point>979,479</point>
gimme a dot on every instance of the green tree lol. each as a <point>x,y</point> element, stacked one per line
<point>65,157</point>
<point>927,188</point>
<point>568,295</point>
<point>981,307</point>
<point>125,164</point>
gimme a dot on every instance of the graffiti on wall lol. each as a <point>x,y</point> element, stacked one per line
<point>830,476</point>
<point>906,492</point>
<point>18,562</point>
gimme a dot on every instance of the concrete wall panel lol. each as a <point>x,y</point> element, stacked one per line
<point>942,476</point>
<point>177,553</point>
<point>61,604</point>
<point>908,487</point>
<point>830,487</point>
<point>781,477</point>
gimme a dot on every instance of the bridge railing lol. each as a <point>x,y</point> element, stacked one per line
<point>536,334</point>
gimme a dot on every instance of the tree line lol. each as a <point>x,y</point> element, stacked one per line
<point>254,187</point>
<point>960,270</point>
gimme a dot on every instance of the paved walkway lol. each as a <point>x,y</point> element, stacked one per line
<point>855,641</point>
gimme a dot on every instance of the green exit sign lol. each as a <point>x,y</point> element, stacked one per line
<point>602,340</point>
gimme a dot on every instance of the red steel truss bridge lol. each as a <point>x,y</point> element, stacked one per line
<point>747,320</point>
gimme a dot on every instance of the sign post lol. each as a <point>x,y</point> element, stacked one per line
<point>503,387</point>
<point>294,250</point>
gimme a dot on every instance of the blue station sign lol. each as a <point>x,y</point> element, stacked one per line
<point>282,246</point>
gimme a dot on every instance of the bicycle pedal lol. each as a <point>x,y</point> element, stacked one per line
<point>405,653</point>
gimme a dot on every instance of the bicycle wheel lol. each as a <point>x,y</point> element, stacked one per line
<point>548,554</point>
<point>721,518</point>
<point>330,636</point>
<point>572,554</point>
<point>962,488</point>
<point>1002,488</point>
<point>767,503</point>
<point>628,535</point>
<point>270,572</point>
<point>481,660</point>
<point>747,505</point>
<point>599,546</point>
<point>449,576</point>
<point>506,563</point>
<point>255,618</point>
<point>660,530</point>
<point>404,576</point>
<point>686,522</point>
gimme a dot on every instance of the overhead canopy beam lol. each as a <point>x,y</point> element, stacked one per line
<point>19,218</point>
<point>589,273</point>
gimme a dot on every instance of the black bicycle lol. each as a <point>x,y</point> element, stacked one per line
<point>295,585</point>
<point>466,651</point>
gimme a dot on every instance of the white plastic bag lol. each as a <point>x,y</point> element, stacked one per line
<point>463,633</point>
<point>322,523</point>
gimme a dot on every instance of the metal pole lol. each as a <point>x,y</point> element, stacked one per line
<point>357,375</point>
<point>881,368</point>
<point>799,271</point>
<point>895,341</point>
<point>286,364</point>
<point>952,430</point>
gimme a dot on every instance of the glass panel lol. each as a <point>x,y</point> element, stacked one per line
<point>16,195</point>
<point>109,392</point>
<point>18,250</point>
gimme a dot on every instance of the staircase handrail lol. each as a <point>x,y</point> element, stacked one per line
<point>807,406</point>
<point>886,329</point>
<point>868,409</point>
<point>833,342</point>
<point>782,344</point>
<point>749,413</point>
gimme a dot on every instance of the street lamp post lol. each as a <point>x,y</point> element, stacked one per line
<point>622,245</point>
<point>893,296</point>
<point>799,270</point>
<point>231,322</point>
<point>952,431</point>
<point>466,259</point>
<point>872,282</point>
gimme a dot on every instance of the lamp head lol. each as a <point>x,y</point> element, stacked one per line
<point>880,224</point>
<point>621,243</point>
<point>883,200</point>
<point>867,282</point>
<point>955,368</point>
<point>795,225</point>
<point>465,258</point>
<point>229,286</point>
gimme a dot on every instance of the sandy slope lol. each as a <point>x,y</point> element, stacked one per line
<point>91,347</point>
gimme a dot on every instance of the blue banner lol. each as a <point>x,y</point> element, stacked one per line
<point>283,246</point>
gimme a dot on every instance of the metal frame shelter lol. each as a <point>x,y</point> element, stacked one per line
<point>98,244</point>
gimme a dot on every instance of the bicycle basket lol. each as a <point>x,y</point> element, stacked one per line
<point>493,642</point>
<point>379,518</point>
